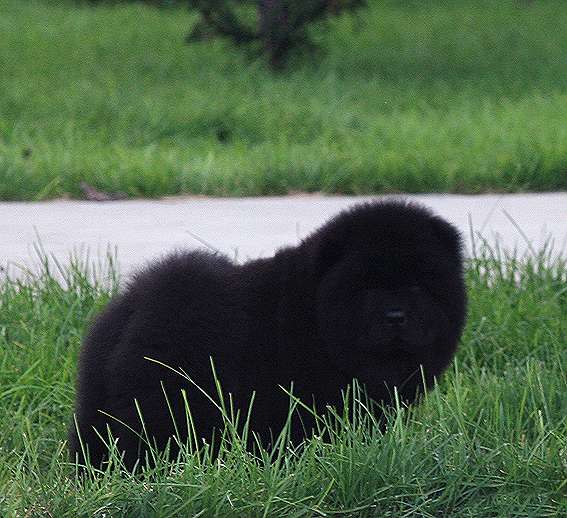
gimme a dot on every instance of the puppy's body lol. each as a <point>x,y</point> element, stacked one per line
<point>374,294</point>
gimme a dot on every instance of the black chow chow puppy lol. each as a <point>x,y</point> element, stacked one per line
<point>375,294</point>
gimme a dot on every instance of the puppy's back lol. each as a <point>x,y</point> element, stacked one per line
<point>165,309</point>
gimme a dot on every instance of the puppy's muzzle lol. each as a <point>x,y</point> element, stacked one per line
<point>396,318</point>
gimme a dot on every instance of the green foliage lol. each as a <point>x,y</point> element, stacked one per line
<point>421,96</point>
<point>490,441</point>
<point>153,3</point>
<point>280,25</point>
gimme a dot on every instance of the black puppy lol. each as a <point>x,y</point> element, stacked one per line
<point>375,294</point>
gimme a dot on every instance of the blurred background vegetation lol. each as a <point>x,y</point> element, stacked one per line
<point>413,96</point>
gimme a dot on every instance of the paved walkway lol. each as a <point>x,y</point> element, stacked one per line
<point>247,227</point>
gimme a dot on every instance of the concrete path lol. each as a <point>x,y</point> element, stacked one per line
<point>247,227</point>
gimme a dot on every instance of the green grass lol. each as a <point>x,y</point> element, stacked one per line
<point>490,441</point>
<point>412,96</point>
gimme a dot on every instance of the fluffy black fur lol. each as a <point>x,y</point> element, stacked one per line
<point>374,294</point>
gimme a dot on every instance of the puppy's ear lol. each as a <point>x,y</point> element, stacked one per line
<point>326,248</point>
<point>448,235</point>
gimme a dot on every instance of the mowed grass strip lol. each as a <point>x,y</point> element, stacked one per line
<point>406,96</point>
<point>490,441</point>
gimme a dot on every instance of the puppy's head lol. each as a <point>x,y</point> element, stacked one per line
<point>390,294</point>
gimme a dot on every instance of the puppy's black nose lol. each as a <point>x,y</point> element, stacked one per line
<point>396,317</point>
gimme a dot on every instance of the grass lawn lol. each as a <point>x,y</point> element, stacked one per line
<point>409,96</point>
<point>490,441</point>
